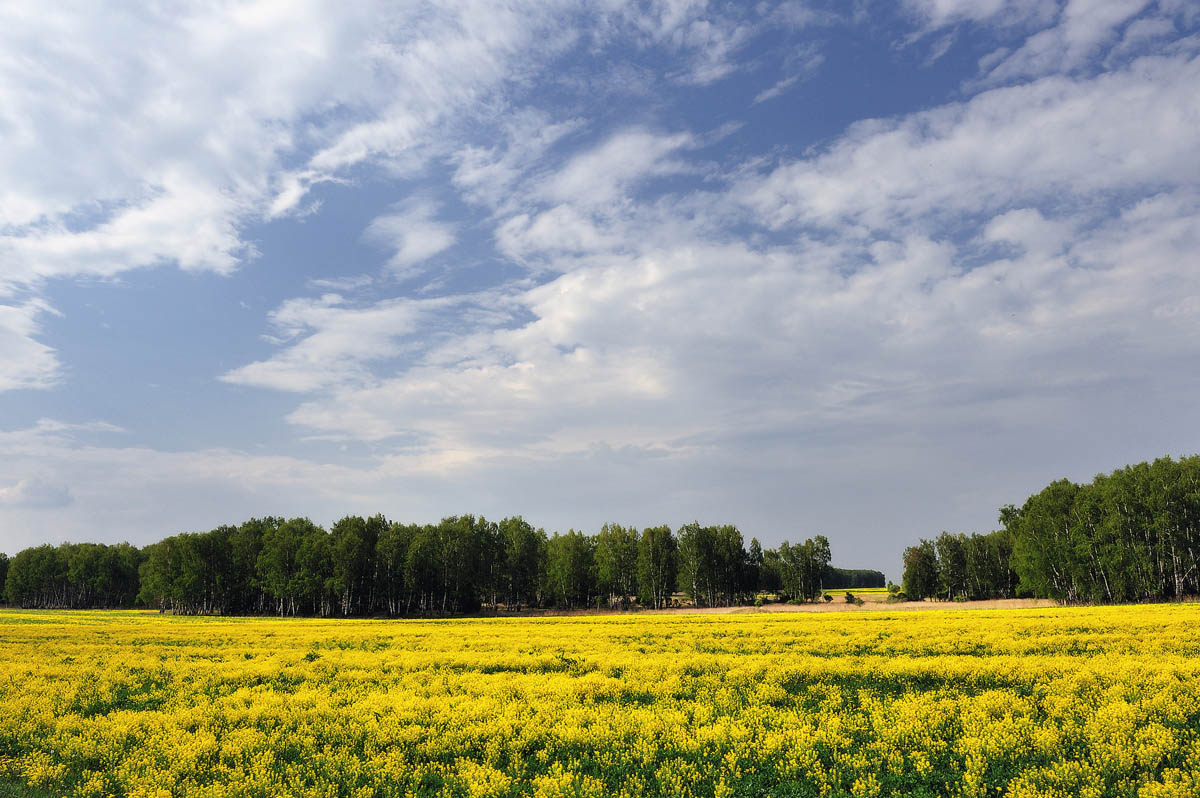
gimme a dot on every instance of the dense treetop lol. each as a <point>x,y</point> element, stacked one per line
<point>1132,535</point>
<point>370,566</point>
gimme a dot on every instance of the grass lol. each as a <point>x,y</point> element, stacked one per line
<point>18,789</point>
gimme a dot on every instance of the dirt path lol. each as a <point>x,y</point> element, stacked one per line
<point>871,603</point>
<point>868,605</point>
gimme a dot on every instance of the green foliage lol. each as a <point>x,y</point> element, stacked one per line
<point>1132,535</point>
<point>18,789</point>
<point>921,571</point>
<point>369,566</point>
<point>289,550</point>
<point>802,568</point>
<point>570,563</point>
<point>960,567</point>
<point>713,564</point>
<point>353,544</point>
<point>392,590</point>
<point>770,572</point>
<point>657,566</point>
<point>524,552</point>
<point>853,577</point>
<point>616,561</point>
<point>74,576</point>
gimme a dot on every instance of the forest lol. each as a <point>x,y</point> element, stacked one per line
<point>370,566</point>
<point>1132,535</point>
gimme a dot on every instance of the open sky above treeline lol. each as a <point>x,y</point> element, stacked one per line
<point>863,269</point>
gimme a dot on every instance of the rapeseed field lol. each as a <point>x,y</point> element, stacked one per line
<point>1045,702</point>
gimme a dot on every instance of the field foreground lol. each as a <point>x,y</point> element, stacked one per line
<point>1050,702</point>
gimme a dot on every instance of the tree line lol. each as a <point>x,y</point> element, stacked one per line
<point>1132,535</point>
<point>370,566</point>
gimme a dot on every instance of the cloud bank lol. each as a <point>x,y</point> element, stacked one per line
<point>646,317</point>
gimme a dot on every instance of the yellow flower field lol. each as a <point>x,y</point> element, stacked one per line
<point>1044,702</point>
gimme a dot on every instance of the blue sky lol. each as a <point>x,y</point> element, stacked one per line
<point>865,269</point>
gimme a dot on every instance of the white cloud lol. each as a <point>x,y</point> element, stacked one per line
<point>572,212</point>
<point>799,66</point>
<point>414,234</point>
<point>442,64</point>
<point>947,291</point>
<point>1140,34</point>
<point>936,14</point>
<point>696,352</point>
<point>163,150</point>
<point>1050,140</point>
<point>781,86</point>
<point>954,267</point>
<point>25,362</point>
<point>705,37</point>
<point>1084,29</point>
<point>157,150</point>
<point>605,175</point>
<point>175,491</point>
<point>330,343</point>
<point>1062,36</point>
<point>560,231</point>
<point>36,493</point>
<point>351,283</point>
<point>487,175</point>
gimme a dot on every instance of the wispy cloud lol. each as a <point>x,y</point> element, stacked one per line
<point>599,308</point>
<point>966,261</point>
<point>330,342</point>
<point>1083,30</point>
<point>1122,131</point>
<point>350,283</point>
<point>25,362</point>
<point>413,233</point>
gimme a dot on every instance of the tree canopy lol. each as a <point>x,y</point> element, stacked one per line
<point>371,566</point>
<point>1132,535</point>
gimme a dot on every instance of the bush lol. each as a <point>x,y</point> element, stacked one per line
<point>828,597</point>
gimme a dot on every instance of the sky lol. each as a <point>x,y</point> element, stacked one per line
<point>864,269</point>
